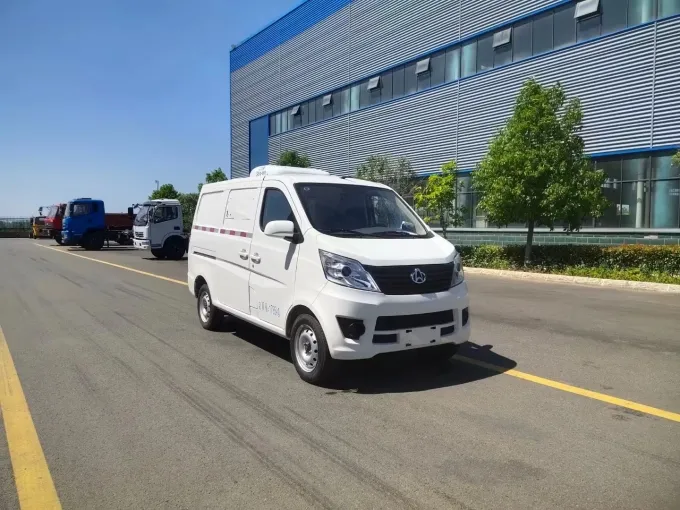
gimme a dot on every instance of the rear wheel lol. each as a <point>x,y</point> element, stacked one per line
<point>309,351</point>
<point>209,316</point>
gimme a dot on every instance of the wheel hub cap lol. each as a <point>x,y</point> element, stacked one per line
<point>306,349</point>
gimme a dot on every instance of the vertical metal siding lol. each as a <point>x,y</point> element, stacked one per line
<point>476,15</point>
<point>386,33</point>
<point>667,87</point>
<point>612,77</point>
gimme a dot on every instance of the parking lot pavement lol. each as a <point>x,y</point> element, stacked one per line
<point>137,407</point>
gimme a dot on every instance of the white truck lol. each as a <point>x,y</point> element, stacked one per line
<point>158,226</point>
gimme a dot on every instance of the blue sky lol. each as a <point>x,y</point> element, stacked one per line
<point>100,98</point>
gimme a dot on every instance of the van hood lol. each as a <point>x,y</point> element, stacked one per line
<point>390,252</point>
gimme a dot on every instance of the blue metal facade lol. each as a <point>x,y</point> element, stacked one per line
<point>627,81</point>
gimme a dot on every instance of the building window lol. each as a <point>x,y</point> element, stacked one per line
<point>374,90</point>
<point>311,110</point>
<point>423,66</point>
<point>386,86</point>
<point>469,59</point>
<point>502,47</point>
<point>438,69</point>
<point>343,101</point>
<point>640,11</point>
<point>521,41</point>
<point>668,8</point>
<point>484,53</point>
<point>565,26</point>
<point>354,97</point>
<point>614,16</point>
<point>502,37</point>
<point>327,100</point>
<point>365,95</point>
<point>398,82</point>
<point>543,33</point>
<point>374,83</point>
<point>452,64</point>
<point>587,8</point>
<point>410,83</point>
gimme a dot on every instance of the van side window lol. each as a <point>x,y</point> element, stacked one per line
<point>275,207</point>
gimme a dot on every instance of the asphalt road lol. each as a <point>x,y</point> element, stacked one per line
<point>137,407</point>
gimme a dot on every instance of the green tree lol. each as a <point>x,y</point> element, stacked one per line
<point>293,158</point>
<point>535,170</point>
<point>188,201</point>
<point>439,198</point>
<point>676,159</point>
<point>216,175</point>
<point>398,174</point>
<point>164,191</point>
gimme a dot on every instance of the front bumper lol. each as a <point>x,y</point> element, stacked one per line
<point>337,301</point>
<point>142,244</point>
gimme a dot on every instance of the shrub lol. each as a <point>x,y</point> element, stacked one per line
<point>630,262</point>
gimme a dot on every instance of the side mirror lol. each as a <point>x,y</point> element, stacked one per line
<point>407,226</point>
<point>131,212</point>
<point>282,229</point>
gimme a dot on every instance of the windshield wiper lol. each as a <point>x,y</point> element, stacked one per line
<point>347,232</point>
<point>402,233</point>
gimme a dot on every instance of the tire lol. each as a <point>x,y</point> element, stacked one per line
<point>439,354</point>
<point>174,248</point>
<point>58,239</point>
<point>309,351</point>
<point>208,315</point>
<point>158,253</point>
<point>94,241</point>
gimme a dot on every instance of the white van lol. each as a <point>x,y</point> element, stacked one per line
<point>342,268</point>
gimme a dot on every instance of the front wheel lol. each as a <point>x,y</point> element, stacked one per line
<point>158,253</point>
<point>58,239</point>
<point>209,316</point>
<point>174,248</point>
<point>309,351</point>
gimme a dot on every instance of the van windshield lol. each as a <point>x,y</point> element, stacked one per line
<point>350,210</point>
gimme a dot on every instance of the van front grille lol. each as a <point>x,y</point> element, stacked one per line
<point>420,320</point>
<point>403,280</point>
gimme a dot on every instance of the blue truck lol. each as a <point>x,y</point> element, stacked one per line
<point>87,224</point>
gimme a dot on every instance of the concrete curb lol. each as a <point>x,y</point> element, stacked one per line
<point>578,280</point>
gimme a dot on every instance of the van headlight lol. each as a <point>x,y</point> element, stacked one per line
<point>458,272</point>
<point>346,272</point>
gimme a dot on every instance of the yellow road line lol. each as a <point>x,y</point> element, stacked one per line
<point>575,390</point>
<point>495,368</point>
<point>113,265</point>
<point>34,484</point>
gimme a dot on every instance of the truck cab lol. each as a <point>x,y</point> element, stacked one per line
<point>158,227</point>
<point>87,224</point>
<point>53,221</point>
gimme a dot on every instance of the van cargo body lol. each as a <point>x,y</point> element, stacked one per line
<point>342,268</point>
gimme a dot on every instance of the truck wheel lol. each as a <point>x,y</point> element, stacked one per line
<point>309,351</point>
<point>209,316</point>
<point>174,248</point>
<point>158,253</point>
<point>94,241</point>
<point>58,239</point>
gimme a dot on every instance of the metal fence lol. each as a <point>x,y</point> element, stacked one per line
<point>9,226</point>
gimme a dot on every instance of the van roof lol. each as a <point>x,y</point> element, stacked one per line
<point>291,175</point>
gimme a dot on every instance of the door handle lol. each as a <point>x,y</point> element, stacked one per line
<point>243,254</point>
<point>255,258</point>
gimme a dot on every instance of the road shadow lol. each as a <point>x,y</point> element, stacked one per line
<point>402,372</point>
<point>154,259</point>
<point>114,247</point>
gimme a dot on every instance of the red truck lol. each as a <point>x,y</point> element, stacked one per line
<point>53,221</point>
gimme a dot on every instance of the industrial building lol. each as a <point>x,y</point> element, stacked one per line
<point>434,80</point>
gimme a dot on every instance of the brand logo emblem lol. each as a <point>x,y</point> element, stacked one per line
<point>418,276</point>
